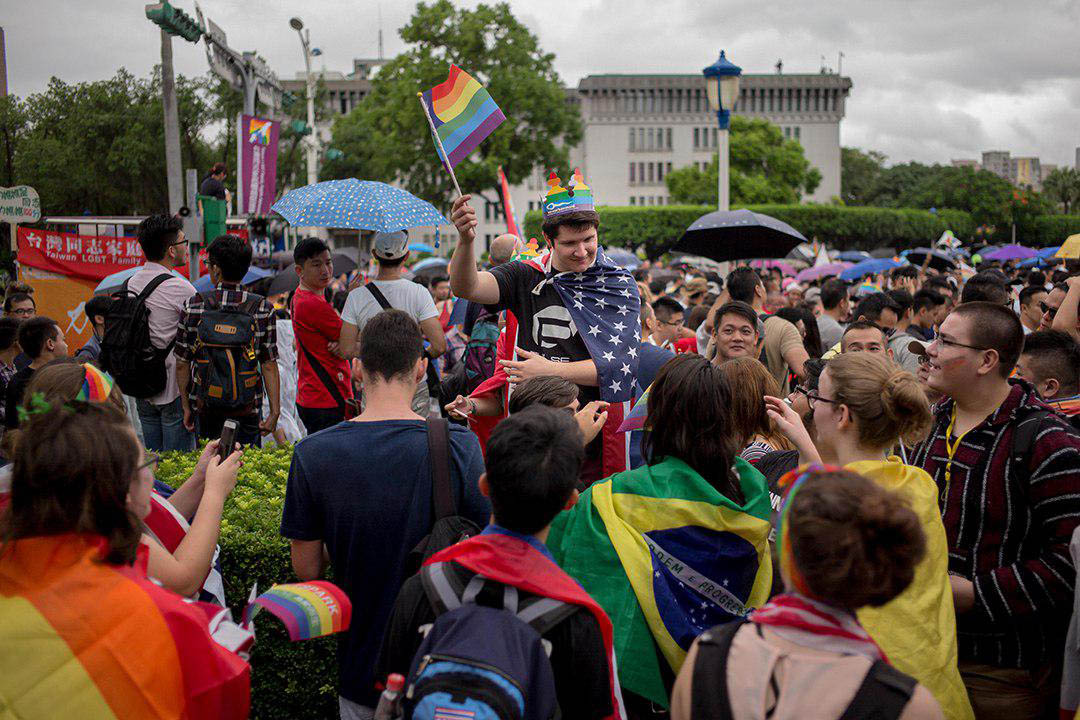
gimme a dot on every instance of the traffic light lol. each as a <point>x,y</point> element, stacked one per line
<point>174,21</point>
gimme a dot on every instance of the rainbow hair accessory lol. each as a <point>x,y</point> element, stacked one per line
<point>97,385</point>
<point>790,484</point>
<point>575,197</point>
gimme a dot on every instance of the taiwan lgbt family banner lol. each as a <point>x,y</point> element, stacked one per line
<point>257,147</point>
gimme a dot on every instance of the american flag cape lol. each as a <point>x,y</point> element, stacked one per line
<point>604,304</point>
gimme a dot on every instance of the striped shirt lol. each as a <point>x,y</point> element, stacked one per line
<point>1009,528</point>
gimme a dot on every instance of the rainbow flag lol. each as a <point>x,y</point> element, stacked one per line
<point>309,610</point>
<point>508,205</point>
<point>635,419</point>
<point>462,113</point>
<point>85,639</point>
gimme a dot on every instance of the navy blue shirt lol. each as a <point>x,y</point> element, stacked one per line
<point>364,488</point>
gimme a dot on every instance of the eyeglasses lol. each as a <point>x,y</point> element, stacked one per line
<point>152,460</point>
<point>672,324</point>
<point>813,398</point>
<point>22,312</point>
<point>178,242</point>
<point>947,343</point>
<point>1047,310</point>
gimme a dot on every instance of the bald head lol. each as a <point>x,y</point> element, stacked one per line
<point>502,248</point>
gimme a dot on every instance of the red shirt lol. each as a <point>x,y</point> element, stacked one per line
<point>685,345</point>
<point>315,323</point>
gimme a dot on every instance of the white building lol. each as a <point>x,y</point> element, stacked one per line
<point>638,128</point>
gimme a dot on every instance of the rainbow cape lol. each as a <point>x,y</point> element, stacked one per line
<point>309,610</point>
<point>84,639</point>
<point>669,556</point>
<point>462,114</point>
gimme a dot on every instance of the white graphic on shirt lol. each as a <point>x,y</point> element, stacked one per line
<point>552,324</point>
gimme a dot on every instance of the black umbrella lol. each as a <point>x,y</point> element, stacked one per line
<point>738,235</point>
<point>343,263</point>
<point>939,260</point>
<point>285,281</point>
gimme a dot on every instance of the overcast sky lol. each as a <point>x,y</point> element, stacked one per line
<point>932,80</point>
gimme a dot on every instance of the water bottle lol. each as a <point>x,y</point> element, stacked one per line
<point>390,700</point>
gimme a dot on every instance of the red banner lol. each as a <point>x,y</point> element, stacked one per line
<point>92,257</point>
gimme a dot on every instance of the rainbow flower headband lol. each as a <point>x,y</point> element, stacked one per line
<point>575,197</point>
<point>96,388</point>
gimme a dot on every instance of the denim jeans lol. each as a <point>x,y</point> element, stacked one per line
<point>163,426</point>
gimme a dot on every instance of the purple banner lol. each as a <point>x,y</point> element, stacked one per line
<point>257,142</point>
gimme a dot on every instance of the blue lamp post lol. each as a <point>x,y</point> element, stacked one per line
<point>722,88</point>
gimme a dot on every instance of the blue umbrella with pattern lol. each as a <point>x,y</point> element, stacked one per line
<point>356,204</point>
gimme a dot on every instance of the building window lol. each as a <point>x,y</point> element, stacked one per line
<point>660,172</point>
<point>633,145</point>
<point>641,138</point>
<point>633,175</point>
<point>651,135</point>
<point>715,140</point>
<point>697,138</point>
<point>641,172</point>
<point>668,135</point>
<point>697,101</point>
<point>798,100</point>
<point>668,168</point>
<point>651,172</point>
<point>632,200</point>
<point>640,199</point>
<point>787,132</point>
<point>796,132</point>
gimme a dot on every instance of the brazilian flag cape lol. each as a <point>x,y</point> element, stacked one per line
<point>667,557</point>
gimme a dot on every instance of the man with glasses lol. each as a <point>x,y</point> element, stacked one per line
<point>161,238</point>
<point>1063,298</point>
<point>20,305</point>
<point>1007,471</point>
<point>669,322</point>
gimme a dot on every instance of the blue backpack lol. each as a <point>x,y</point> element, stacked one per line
<point>483,663</point>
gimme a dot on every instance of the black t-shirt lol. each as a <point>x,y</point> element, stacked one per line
<point>578,661</point>
<point>545,327</point>
<point>13,396</point>
<point>212,187</point>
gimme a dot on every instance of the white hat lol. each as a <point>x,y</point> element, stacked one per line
<point>918,347</point>
<point>390,245</point>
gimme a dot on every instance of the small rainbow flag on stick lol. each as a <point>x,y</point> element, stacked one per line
<point>309,610</point>
<point>461,114</point>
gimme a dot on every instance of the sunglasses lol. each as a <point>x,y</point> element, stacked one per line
<point>1047,310</point>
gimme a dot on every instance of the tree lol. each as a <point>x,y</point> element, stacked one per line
<point>387,138</point>
<point>858,172</point>
<point>765,168</point>
<point>1062,186</point>
<point>986,196</point>
<point>12,126</point>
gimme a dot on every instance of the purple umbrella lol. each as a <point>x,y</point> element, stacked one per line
<point>1011,252</point>
<point>815,273</point>
<point>785,268</point>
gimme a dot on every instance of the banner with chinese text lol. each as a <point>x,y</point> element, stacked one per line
<point>257,141</point>
<point>92,257</point>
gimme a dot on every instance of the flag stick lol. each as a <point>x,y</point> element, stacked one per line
<point>438,141</point>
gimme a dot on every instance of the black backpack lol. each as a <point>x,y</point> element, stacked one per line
<point>126,351</point>
<point>448,527</point>
<point>226,368</point>
<point>883,694</point>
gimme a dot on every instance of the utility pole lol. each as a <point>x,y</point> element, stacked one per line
<point>311,142</point>
<point>172,126</point>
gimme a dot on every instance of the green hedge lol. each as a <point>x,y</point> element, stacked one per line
<point>289,680</point>
<point>656,229</point>
<point>1051,230</point>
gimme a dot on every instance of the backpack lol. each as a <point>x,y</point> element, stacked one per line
<point>459,672</point>
<point>448,527</point>
<point>883,694</point>
<point>479,356</point>
<point>226,366</point>
<point>126,351</point>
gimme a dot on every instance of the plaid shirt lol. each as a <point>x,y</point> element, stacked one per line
<point>1009,529</point>
<point>230,296</point>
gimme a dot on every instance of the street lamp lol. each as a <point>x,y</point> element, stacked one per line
<point>312,141</point>
<point>722,87</point>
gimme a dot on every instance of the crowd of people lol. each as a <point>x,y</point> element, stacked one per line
<point>552,485</point>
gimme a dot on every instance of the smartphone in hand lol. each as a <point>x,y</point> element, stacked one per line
<point>228,440</point>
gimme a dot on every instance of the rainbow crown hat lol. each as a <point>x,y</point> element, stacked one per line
<point>97,385</point>
<point>575,197</point>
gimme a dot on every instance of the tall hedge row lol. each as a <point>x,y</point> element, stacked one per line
<point>656,229</point>
<point>1051,230</point>
<point>289,680</point>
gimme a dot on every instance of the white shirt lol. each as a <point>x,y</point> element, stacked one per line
<point>164,304</point>
<point>402,294</point>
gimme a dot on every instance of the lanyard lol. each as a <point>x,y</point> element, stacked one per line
<point>950,451</point>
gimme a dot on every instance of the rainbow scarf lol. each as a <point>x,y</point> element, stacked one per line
<point>84,639</point>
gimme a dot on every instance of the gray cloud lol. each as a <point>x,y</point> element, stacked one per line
<point>932,80</point>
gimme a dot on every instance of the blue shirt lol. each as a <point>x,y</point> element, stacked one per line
<point>364,489</point>
<point>494,529</point>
